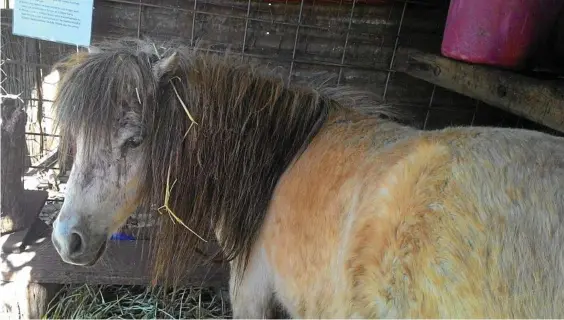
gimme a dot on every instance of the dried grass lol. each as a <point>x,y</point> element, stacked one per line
<point>166,207</point>
<point>128,302</point>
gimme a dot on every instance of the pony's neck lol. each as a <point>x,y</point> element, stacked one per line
<point>249,129</point>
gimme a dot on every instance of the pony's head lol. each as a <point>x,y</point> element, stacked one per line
<point>100,110</point>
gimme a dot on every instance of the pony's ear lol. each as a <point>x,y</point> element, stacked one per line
<point>93,50</point>
<point>165,65</point>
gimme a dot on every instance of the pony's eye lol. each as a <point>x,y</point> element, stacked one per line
<point>132,143</point>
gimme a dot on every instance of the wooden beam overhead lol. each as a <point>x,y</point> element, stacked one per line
<point>541,101</point>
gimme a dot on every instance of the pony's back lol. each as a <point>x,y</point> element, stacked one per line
<point>511,182</point>
<point>475,226</point>
<point>463,222</point>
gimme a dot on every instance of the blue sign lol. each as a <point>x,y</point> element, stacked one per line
<point>66,21</point>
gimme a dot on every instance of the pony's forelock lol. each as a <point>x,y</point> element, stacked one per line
<point>91,89</point>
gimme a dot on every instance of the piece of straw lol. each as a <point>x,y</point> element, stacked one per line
<point>167,208</point>
<point>138,96</point>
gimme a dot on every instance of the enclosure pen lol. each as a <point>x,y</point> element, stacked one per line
<point>341,42</point>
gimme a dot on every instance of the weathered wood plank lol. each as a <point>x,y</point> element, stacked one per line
<point>541,101</point>
<point>32,201</point>
<point>124,263</point>
<point>12,158</point>
<point>46,162</point>
<point>19,241</point>
<point>23,300</point>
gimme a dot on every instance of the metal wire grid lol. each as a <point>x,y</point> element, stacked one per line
<point>296,25</point>
<point>23,70</point>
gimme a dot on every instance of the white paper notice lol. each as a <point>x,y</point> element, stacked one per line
<point>66,21</point>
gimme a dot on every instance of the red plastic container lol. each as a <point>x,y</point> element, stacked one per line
<point>497,32</point>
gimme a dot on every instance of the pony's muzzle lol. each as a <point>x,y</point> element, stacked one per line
<point>72,245</point>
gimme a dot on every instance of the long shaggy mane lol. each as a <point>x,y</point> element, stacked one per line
<point>251,124</point>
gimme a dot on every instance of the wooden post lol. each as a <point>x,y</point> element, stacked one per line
<point>12,147</point>
<point>26,300</point>
<point>541,101</point>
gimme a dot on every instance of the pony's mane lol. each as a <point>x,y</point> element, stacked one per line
<point>250,126</point>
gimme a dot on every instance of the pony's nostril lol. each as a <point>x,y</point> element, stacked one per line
<point>76,243</point>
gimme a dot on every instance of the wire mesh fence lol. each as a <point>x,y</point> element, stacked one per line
<point>355,42</point>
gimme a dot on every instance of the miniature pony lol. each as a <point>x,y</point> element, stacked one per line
<point>331,212</point>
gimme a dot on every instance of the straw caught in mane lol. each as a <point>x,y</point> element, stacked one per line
<point>251,126</point>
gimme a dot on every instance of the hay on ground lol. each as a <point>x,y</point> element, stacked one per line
<point>120,302</point>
